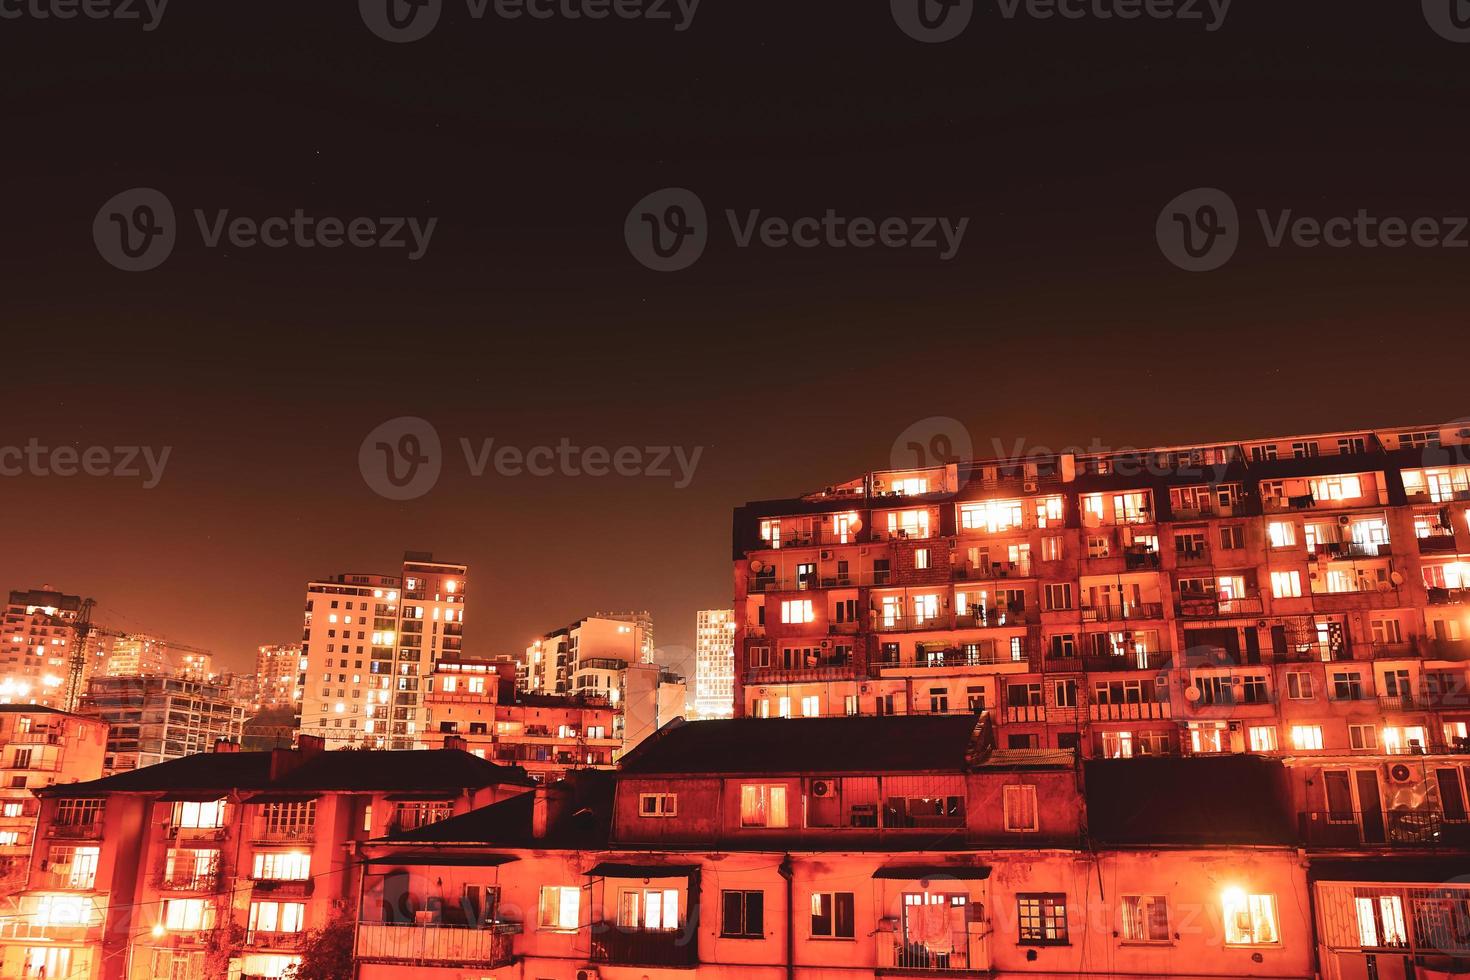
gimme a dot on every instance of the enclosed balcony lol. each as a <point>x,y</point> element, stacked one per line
<point>617,945</point>
<point>488,945</point>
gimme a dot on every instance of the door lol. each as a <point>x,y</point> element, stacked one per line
<point>1370,806</point>
<point>934,933</point>
<point>1252,645</point>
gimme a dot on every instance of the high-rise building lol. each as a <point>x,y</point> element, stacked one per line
<point>154,719</point>
<point>195,665</point>
<point>37,646</point>
<point>136,655</point>
<point>278,669</point>
<point>368,641</point>
<point>588,656</point>
<point>714,663</point>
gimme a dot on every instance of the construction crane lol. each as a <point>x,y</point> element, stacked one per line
<point>82,628</point>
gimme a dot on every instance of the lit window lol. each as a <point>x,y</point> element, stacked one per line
<point>1042,918</point>
<point>282,866</point>
<point>1263,738</point>
<point>1306,738</point>
<point>797,611</point>
<point>277,916</point>
<point>921,558</point>
<point>763,805</point>
<point>1381,922</point>
<point>1286,585</point>
<point>1250,920</point>
<point>560,907</point>
<point>1282,534</point>
<point>188,914</point>
<point>649,909</point>
<point>207,815</point>
<point>810,706</point>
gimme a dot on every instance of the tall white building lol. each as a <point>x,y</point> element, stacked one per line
<point>368,643</point>
<point>714,663</point>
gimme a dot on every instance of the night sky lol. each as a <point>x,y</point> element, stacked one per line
<point>527,320</point>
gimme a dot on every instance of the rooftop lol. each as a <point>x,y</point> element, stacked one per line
<point>890,743</point>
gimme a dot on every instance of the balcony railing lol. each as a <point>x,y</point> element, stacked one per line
<point>488,945</point>
<point>1192,556</point>
<point>66,880</point>
<point>986,571</point>
<point>1448,597</point>
<point>1119,612</point>
<point>210,881</point>
<point>77,831</point>
<point>639,947</point>
<point>897,953</point>
<point>275,940</point>
<point>1131,711</point>
<point>1212,607</point>
<point>1025,712</point>
<point>282,835</point>
<point>1151,660</point>
<point>284,887</point>
<point>1393,828</point>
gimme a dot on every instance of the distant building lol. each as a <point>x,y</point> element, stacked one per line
<point>38,747</point>
<point>154,719</point>
<point>546,734</point>
<point>714,663</point>
<point>37,646</point>
<point>588,656</point>
<point>194,666</point>
<point>362,632</point>
<point>136,655</point>
<point>278,674</point>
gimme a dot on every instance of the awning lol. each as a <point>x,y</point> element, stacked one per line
<point>920,872</point>
<point>282,798</point>
<point>194,796</point>
<point>427,796</point>
<point>612,869</point>
<point>442,859</point>
<point>1436,870</point>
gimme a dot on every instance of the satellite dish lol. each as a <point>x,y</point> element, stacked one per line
<point>1191,694</point>
<point>1397,578</point>
<point>756,564</point>
<point>856,524</point>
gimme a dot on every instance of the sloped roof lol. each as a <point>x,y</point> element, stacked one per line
<point>342,770</point>
<point>1021,759</point>
<point>888,743</point>
<point>1226,800</point>
<point>582,819</point>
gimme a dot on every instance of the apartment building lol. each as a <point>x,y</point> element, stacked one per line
<point>802,848</point>
<point>278,672</point>
<point>194,665</point>
<point>135,655</point>
<point>588,656</point>
<point>367,644</point>
<point>155,719</point>
<point>548,735</point>
<point>37,643</point>
<point>1300,597</point>
<point>714,663</point>
<point>39,747</point>
<point>218,864</point>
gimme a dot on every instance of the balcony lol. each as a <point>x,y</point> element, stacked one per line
<point>1437,544</point>
<point>1395,828</point>
<point>282,887</point>
<point>1448,597</point>
<point>1137,559</point>
<point>275,940</point>
<point>76,831</point>
<point>1151,660</point>
<point>1192,606</point>
<point>642,947</point>
<point>1131,711</point>
<point>65,880</point>
<point>1192,556</point>
<point>211,881</point>
<point>36,738</point>
<point>990,571</point>
<point>898,955</point>
<point>264,834</point>
<point>1403,702</point>
<point>486,945</point>
<point>1017,713</point>
<point>1123,611</point>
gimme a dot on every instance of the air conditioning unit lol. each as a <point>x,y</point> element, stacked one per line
<point>826,556</point>
<point>1344,520</point>
<point>1400,773</point>
<point>863,689</point>
<point>1029,486</point>
<point>826,644</point>
<point>588,974</point>
<point>822,788</point>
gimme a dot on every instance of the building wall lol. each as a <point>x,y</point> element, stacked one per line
<point>154,719</point>
<point>278,669</point>
<point>714,657</point>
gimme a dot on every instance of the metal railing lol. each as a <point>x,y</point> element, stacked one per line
<point>1122,611</point>
<point>897,953</point>
<point>1372,828</point>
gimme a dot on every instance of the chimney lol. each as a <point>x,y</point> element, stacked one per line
<point>225,745</point>
<point>307,748</point>
<point>456,742</point>
<point>547,804</point>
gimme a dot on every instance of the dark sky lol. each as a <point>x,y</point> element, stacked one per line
<point>527,320</point>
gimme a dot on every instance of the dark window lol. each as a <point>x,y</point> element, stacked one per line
<point>832,915</point>
<point>743,915</point>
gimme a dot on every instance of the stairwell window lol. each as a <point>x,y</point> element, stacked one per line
<point>763,805</point>
<point>921,559</point>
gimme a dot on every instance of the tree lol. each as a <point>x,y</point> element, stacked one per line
<point>326,953</point>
